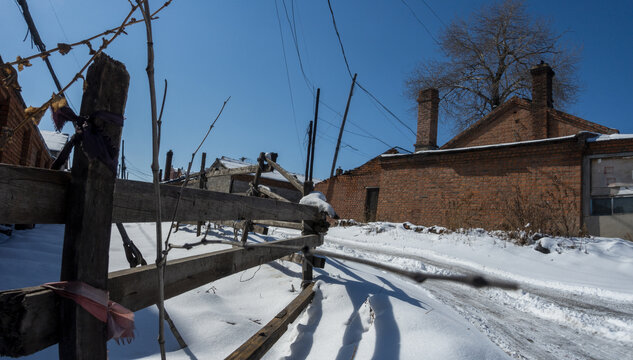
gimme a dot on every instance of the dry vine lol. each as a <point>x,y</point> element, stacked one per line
<point>32,114</point>
<point>144,5</point>
<point>186,180</point>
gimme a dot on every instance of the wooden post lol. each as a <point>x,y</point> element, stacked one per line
<point>308,229</point>
<point>89,215</point>
<point>168,158</point>
<point>307,175</point>
<point>202,184</point>
<point>248,224</point>
<point>340,133</point>
<point>314,131</point>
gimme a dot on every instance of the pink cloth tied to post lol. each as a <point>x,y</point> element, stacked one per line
<point>119,319</point>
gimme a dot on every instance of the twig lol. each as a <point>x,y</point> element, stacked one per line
<point>160,265</point>
<point>189,246</point>
<point>68,47</point>
<point>37,112</point>
<point>162,107</point>
<point>186,181</point>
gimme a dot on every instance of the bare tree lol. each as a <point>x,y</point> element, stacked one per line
<point>488,58</point>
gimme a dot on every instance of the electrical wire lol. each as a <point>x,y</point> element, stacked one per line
<point>420,21</point>
<point>292,102</point>
<point>434,13</point>
<point>372,96</point>
<point>293,31</point>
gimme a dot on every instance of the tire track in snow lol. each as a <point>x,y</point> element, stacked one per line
<point>536,323</point>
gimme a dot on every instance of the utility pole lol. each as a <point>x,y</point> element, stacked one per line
<point>123,168</point>
<point>340,133</point>
<point>307,176</point>
<point>314,131</point>
<point>37,40</point>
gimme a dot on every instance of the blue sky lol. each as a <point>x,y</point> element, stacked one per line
<point>210,50</point>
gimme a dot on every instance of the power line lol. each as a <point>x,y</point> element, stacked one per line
<point>338,35</point>
<point>433,11</point>
<point>293,31</point>
<point>420,21</point>
<point>292,102</point>
<point>372,96</point>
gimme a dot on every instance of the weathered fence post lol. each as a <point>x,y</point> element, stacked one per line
<point>202,180</point>
<point>89,217</point>
<point>252,191</point>
<point>308,229</point>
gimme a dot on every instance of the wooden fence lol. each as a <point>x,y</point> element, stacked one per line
<point>89,200</point>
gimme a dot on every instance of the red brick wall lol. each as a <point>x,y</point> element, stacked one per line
<point>26,147</point>
<point>463,188</point>
<point>347,192</point>
<point>472,188</point>
<point>511,126</point>
<point>610,147</point>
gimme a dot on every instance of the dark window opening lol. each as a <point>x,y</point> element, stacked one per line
<point>601,206</point>
<point>371,204</point>
<point>623,205</point>
<point>610,206</point>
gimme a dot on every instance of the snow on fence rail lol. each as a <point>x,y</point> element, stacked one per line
<point>88,200</point>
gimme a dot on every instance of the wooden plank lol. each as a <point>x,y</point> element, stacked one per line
<point>283,224</point>
<point>257,346</point>
<point>266,191</point>
<point>29,317</point>
<point>134,202</point>
<point>136,288</point>
<point>89,211</point>
<point>235,171</point>
<point>23,189</point>
<point>293,180</point>
<point>29,320</point>
<point>259,229</point>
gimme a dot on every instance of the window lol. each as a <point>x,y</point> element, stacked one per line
<point>609,206</point>
<point>601,206</point>
<point>623,205</point>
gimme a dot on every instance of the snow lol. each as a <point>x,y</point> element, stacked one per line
<point>54,141</point>
<point>358,311</point>
<point>318,200</point>
<point>441,151</point>
<point>592,266</point>
<point>230,163</point>
<point>611,137</point>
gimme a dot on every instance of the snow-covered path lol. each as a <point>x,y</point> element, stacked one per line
<point>538,322</point>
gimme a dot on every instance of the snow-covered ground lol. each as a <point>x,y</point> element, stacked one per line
<point>575,302</point>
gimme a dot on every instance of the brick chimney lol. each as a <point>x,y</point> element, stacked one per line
<point>428,106</point>
<point>542,75</point>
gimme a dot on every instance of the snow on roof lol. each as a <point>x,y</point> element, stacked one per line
<point>491,146</point>
<point>611,137</point>
<point>54,141</point>
<point>231,163</point>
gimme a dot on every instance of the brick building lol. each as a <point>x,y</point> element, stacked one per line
<point>525,162</point>
<point>26,147</point>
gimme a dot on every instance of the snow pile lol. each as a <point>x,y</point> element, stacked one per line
<point>317,199</point>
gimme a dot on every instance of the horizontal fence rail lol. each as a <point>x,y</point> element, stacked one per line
<point>38,196</point>
<point>29,317</point>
